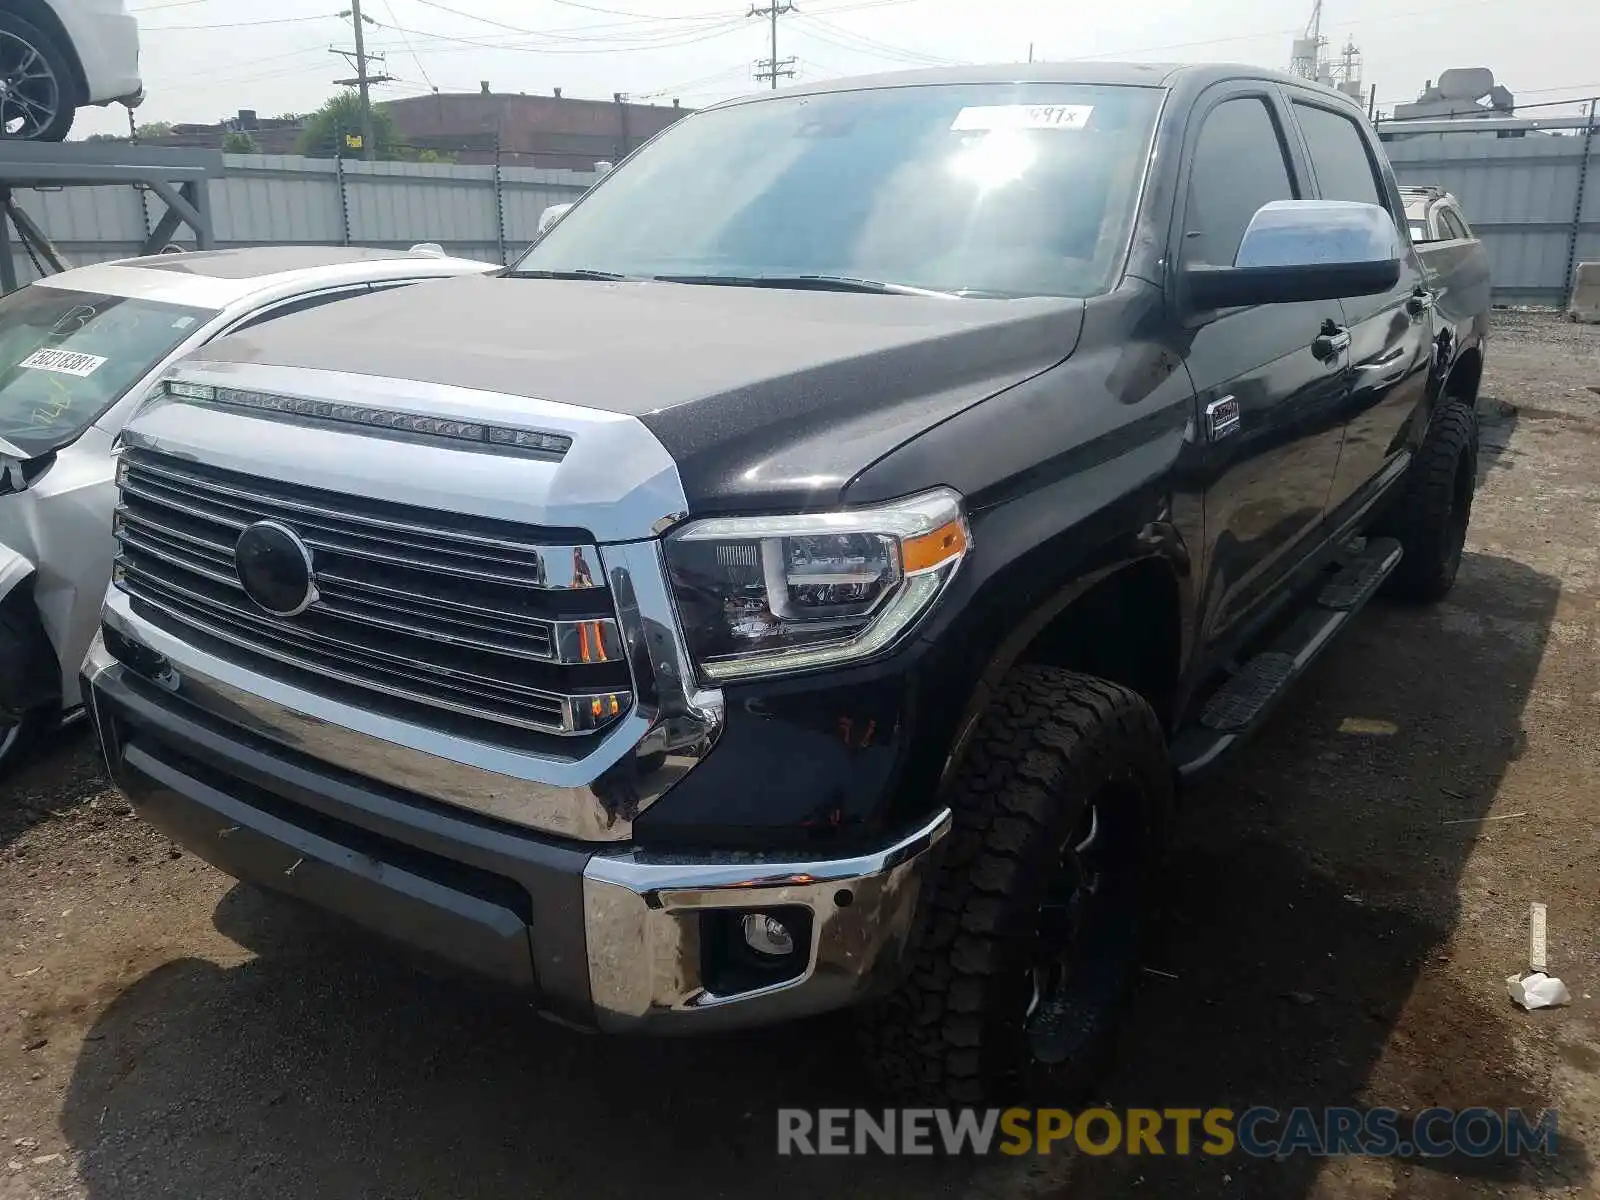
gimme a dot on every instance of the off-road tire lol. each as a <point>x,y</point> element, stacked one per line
<point>954,1033</point>
<point>1430,518</point>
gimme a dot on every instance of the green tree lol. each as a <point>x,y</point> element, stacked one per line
<point>154,129</point>
<point>336,128</point>
<point>239,142</point>
<point>435,156</point>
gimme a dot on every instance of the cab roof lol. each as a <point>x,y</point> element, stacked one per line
<point>1124,74</point>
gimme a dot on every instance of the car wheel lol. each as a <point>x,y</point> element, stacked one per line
<point>27,676</point>
<point>1430,519</point>
<point>38,98</point>
<point>19,738</point>
<point>1028,944</point>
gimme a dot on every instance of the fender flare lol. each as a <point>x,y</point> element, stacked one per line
<point>1161,543</point>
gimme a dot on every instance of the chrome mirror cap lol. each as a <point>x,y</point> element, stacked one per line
<point>1318,233</point>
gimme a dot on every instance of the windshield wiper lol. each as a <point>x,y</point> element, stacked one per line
<point>815,283</point>
<point>575,273</point>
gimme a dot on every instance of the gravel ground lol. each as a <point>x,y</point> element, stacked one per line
<point>1348,900</point>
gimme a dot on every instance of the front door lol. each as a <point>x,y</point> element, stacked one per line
<point>1270,380</point>
<point>1390,334</point>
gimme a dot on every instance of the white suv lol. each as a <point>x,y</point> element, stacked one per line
<point>57,56</point>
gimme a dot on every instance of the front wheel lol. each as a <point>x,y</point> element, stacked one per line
<point>1028,944</point>
<point>38,98</point>
<point>27,683</point>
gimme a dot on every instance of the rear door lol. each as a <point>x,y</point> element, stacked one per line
<point>1390,334</point>
<point>1270,379</point>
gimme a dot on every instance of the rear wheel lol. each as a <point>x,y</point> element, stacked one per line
<point>1028,944</point>
<point>38,98</point>
<point>1430,519</point>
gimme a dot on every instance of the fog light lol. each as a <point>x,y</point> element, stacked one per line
<point>768,936</point>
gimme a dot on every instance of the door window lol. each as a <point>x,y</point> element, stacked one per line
<point>1239,165</point>
<point>1345,171</point>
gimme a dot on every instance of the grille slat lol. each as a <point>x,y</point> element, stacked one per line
<point>356,534</point>
<point>476,632</point>
<point>227,628</point>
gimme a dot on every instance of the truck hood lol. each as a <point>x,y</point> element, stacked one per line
<point>762,397</point>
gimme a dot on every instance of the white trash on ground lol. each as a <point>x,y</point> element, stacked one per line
<point>1537,990</point>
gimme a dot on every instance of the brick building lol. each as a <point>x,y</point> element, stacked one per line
<point>532,131</point>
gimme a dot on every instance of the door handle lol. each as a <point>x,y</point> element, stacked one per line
<point>1420,301</point>
<point>1331,342</point>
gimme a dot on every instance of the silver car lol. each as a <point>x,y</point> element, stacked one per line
<point>78,351</point>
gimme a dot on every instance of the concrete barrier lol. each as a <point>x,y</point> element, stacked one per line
<point>1586,294</point>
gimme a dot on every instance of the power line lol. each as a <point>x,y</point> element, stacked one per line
<point>771,68</point>
<point>617,12</point>
<point>569,34</point>
<point>1292,31</point>
<point>874,45</point>
<point>843,39</point>
<point>679,89</point>
<point>235,24</point>
<point>460,43</point>
<point>839,8</point>
<point>388,8</point>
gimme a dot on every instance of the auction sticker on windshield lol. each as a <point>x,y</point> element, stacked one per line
<point>64,362</point>
<point>1023,116</point>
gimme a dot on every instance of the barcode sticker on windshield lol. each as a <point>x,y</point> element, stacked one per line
<point>64,362</point>
<point>1023,116</point>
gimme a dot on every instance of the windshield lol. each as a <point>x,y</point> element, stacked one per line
<point>988,189</point>
<point>66,357</point>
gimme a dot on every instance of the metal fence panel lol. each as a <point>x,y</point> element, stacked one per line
<point>400,204</point>
<point>1522,196</point>
<point>268,199</point>
<point>527,191</point>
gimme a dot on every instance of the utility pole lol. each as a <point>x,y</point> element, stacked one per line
<point>771,68</point>
<point>363,79</point>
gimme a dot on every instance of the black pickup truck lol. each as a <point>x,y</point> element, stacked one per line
<point>806,577</point>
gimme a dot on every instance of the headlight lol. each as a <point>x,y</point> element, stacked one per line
<point>763,595</point>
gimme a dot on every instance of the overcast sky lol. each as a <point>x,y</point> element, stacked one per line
<point>206,59</point>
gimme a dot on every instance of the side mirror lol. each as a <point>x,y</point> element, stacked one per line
<point>551,215</point>
<point>1298,250</point>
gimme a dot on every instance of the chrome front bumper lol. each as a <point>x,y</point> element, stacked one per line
<point>613,938</point>
<point>644,921</point>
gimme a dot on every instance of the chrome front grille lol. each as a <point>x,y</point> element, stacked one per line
<point>508,627</point>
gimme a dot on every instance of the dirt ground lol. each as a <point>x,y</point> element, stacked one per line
<point>1347,901</point>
